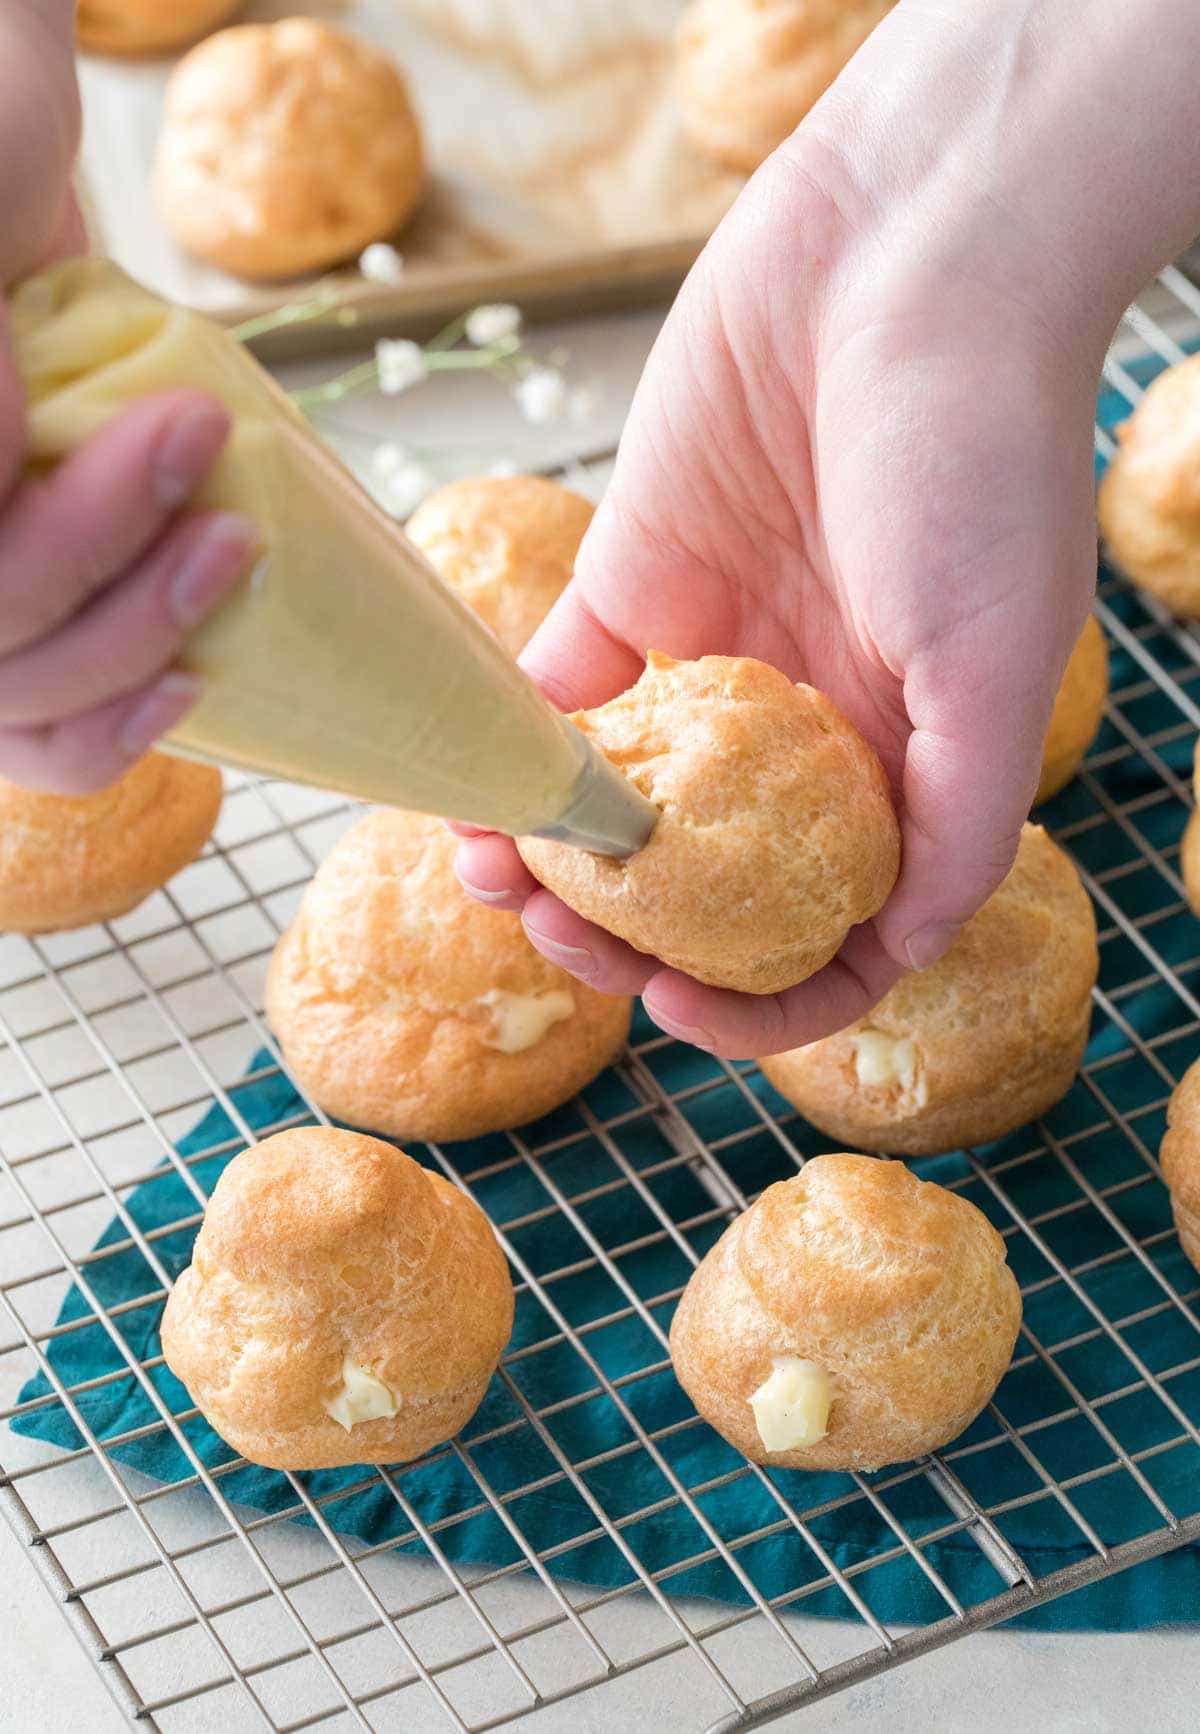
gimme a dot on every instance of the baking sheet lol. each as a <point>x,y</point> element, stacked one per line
<point>560,177</point>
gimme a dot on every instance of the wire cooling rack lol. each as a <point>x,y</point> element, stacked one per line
<point>200,1613</point>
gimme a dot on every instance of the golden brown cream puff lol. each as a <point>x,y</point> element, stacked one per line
<point>343,1304</point>
<point>1078,709</point>
<point>405,1006</point>
<point>147,26</point>
<point>777,833</point>
<point>978,1044</point>
<point>285,147</point>
<point>854,1316</point>
<point>1189,849</point>
<point>1179,1156</point>
<point>71,860</point>
<point>1149,502</point>
<point>506,544</point>
<point>748,71</point>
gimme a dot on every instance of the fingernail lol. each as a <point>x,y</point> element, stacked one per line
<point>927,944</point>
<point>692,1033</point>
<point>186,452</point>
<point>167,701</point>
<point>483,896</point>
<point>574,958</point>
<point>215,560</point>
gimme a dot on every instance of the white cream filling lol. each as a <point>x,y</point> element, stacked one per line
<point>520,1020</point>
<point>791,1407</point>
<point>363,1397</point>
<point>886,1062</point>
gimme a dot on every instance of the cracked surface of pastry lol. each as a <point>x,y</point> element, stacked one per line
<point>748,71</point>
<point>982,1042</point>
<point>1078,711</point>
<point>1179,1155</point>
<point>507,544</point>
<point>777,832</point>
<point>147,26</point>
<point>71,860</point>
<point>1149,500</point>
<point>343,1304</point>
<point>864,1312</point>
<point>286,147</point>
<point>404,1006</point>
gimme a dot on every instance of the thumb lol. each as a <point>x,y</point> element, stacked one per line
<point>979,718</point>
<point>577,660</point>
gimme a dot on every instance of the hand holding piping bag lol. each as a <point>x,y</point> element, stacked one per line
<point>101,577</point>
<point>862,451</point>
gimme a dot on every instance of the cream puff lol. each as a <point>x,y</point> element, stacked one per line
<point>405,1006</point>
<point>853,1317</point>
<point>506,544</point>
<point>1189,848</point>
<point>71,860</point>
<point>1078,709</point>
<point>982,1042</point>
<point>1179,1157</point>
<point>1149,502</point>
<point>343,1304</point>
<point>777,833</point>
<point>748,71</point>
<point>147,26</point>
<point>284,148</point>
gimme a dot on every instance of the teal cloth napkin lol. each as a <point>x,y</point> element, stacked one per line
<point>555,1517</point>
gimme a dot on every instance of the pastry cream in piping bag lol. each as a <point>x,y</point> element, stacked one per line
<point>342,660</point>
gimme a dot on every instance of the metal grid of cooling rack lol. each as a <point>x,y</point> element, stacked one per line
<point>194,1609</point>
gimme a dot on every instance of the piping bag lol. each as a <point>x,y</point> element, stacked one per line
<point>342,660</point>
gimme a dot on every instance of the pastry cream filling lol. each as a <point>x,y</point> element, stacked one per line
<point>791,1407</point>
<point>884,1061</point>
<point>347,663</point>
<point>363,1397</point>
<point>520,1020</point>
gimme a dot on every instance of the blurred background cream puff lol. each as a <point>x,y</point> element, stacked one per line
<point>748,71</point>
<point>285,148</point>
<point>1149,501</point>
<point>507,544</point>
<point>71,860</point>
<point>1078,711</point>
<point>147,26</point>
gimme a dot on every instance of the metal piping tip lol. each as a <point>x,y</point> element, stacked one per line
<point>606,814</point>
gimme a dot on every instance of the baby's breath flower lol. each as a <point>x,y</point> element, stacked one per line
<point>401,364</point>
<point>492,324</point>
<point>542,395</point>
<point>380,263</point>
<point>387,458</point>
<point>403,490</point>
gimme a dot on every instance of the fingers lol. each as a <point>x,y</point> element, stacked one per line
<point>489,868</point>
<point>743,1026</point>
<point>575,659</point>
<point>587,952</point>
<point>92,749</point>
<point>64,537</point>
<point>970,771</point>
<point>133,629</point>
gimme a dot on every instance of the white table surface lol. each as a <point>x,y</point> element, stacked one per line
<point>1075,1684</point>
